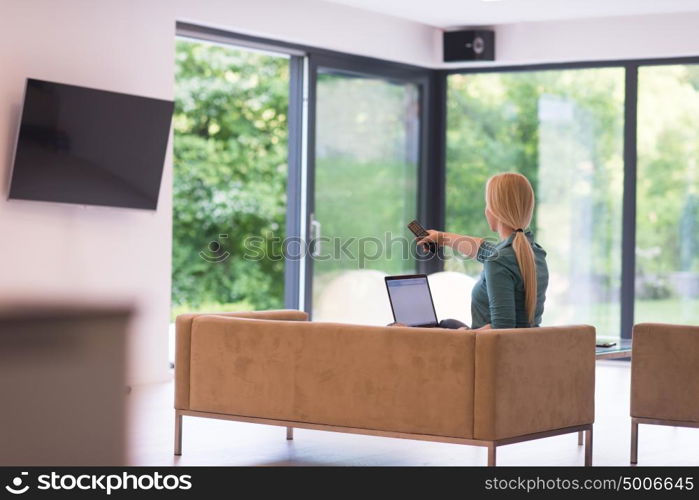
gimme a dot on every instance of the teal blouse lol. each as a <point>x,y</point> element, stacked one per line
<point>498,295</point>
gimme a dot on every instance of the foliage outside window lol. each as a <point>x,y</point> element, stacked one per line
<point>667,240</point>
<point>230,173</point>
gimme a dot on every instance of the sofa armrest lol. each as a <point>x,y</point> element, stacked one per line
<point>183,341</point>
<point>665,372</point>
<point>532,380</point>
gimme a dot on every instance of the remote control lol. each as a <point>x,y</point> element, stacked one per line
<point>421,232</point>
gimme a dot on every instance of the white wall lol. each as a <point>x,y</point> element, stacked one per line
<point>319,24</point>
<point>55,250</point>
<point>632,37</point>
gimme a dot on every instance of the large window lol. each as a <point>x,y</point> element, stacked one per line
<point>230,175</point>
<point>563,129</point>
<point>610,148</point>
<point>667,222</point>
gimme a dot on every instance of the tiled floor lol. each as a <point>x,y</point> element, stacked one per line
<point>218,442</point>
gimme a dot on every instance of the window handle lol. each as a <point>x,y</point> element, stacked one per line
<point>315,235</point>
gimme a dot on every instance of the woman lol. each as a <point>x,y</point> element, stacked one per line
<point>511,290</point>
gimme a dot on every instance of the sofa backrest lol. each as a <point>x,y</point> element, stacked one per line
<point>407,380</point>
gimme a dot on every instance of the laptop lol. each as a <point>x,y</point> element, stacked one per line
<point>411,300</point>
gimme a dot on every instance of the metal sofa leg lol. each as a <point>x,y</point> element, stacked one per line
<point>178,433</point>
<point>491,454</point>
<point>588,447</point>
<point>289,433</point>
<point>634,441</point>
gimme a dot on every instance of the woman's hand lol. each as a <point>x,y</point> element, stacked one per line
<point>433,236</point>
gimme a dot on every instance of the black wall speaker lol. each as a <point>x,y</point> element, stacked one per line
<point>469,45</point>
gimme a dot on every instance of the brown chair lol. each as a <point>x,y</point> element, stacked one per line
<point>664,377</point>
<point>489,388</point>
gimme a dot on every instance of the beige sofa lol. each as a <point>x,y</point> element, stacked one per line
<point>488,388</point>
<point>664,377</point>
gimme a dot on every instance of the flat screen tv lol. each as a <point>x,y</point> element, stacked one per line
<point>91,147</point>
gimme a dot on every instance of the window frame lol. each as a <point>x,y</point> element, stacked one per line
<point>304,63</point>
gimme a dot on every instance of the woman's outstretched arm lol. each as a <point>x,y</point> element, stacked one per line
<point>466,245</point>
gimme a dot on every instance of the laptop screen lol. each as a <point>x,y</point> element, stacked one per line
<point>411,300</point>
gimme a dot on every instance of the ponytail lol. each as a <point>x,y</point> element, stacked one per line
<point>527,268</point>
<point>510,198</point>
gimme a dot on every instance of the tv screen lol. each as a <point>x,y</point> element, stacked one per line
<point>88,146</point>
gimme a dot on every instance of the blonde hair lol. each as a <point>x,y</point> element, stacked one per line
<point>510,198</point>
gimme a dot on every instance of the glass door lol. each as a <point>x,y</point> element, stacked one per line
<point>364,172</point>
